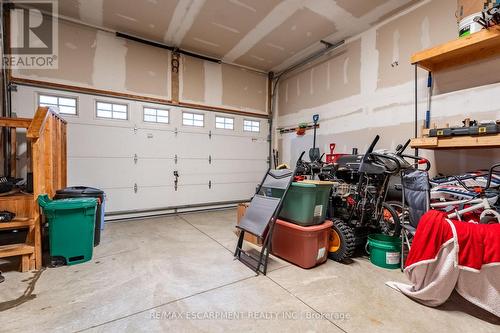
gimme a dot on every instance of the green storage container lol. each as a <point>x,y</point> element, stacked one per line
<point>306,202</point>
<point>71,227</point>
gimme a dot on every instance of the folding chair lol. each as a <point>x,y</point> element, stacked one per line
<point>415,202</point>
<point>261,215</point>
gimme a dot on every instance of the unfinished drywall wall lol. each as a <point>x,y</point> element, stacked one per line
<point>222,85</point>
<point>97,59</point>
<point>384,102</point>
<point>430,24</point>
<point>329,80</point>
<point>77,48</point>
<point>147,69</point>
<point>242,88</point>
<point>193,71</point>
<point>92,58</point>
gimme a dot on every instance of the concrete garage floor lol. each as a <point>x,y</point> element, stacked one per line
<point>153,274</point>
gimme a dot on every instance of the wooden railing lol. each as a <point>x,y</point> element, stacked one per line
<point>46,138</point>
<point>47,133</point>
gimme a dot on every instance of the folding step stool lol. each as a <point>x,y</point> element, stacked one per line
<point>260,217</point>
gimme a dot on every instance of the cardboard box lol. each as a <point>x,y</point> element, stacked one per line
<point>469,7</point>
<point>248,237</point>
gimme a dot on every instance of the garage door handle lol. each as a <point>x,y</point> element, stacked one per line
<point>176,180</point>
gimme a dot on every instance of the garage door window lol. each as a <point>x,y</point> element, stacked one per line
<point>224,123</point>
<point>193,119</point>
<point>251,126</point>
<point>152,115</point>
<point>66,105</point>
<point>112,110</point>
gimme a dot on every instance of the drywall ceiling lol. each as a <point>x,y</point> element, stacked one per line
<point>262,34</point>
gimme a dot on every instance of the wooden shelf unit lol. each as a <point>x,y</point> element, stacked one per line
<point>480,45</point>
<point>458,142</point>
<point>46,137</point>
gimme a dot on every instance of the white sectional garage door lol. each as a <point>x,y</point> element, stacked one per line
<point>134,161</point>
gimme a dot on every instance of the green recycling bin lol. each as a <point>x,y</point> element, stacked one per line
<point>306,202</point>
<point>71,228</point>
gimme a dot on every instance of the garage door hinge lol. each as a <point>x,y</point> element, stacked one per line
<point>209,159</point>
<point>135,158</point>
<point>175,159</point>
<point>135,188</point>
<point>135,129</point>
<point>209,184</point>
<point>176,131</point>
<point>209,134</point>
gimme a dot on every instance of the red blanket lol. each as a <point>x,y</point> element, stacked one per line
<point>478,244</point>
<point>452,255</point>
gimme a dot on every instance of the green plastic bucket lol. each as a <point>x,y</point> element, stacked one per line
<point>385,251</point>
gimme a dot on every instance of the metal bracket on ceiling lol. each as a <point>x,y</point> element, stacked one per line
<point>175,61</point>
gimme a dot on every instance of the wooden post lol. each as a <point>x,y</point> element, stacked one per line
<point>13,152</point>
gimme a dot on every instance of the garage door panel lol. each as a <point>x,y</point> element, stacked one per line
<point>230,192</point>
<point>243,166</point>
<point>120,199</point>
<point>90,141</point>
<point>101,172</point>
<point>155,197</point>
<point>159,143</point>
<point>192,144</point>
<point>236,177</point>
<point>238,147</point>
<point>194,194</point>
<point>154,171</point>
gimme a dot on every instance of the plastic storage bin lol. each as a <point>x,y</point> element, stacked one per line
<point>303,246</point>
<point>87,192</point>
<point>306,202</point>
<point>71,228</point>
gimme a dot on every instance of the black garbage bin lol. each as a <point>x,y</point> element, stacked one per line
<point>87,192</point>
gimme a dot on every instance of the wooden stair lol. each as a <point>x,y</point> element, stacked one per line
<point>46,159</point>
<point>21,249</point>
